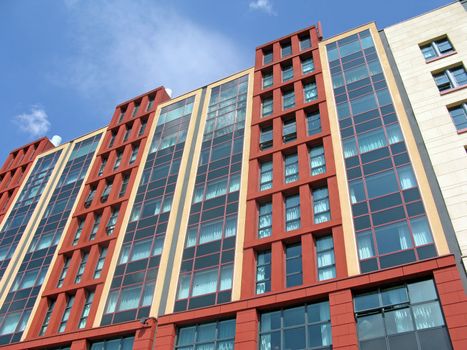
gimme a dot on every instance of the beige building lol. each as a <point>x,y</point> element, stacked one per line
<point>429,52</point>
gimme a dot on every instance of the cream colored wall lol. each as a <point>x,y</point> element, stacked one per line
<point>446,148</point>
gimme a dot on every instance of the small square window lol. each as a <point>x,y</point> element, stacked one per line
<point>286,49</point>
<point>305,42</point>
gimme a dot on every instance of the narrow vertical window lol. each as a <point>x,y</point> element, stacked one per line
<point>267,56</point>
<point>266,106</point>
<point>287,73</point>
<point>289,130</point>
<point>321,208</point>
<point>95,226</point>
<point>292,212</point>
<point>45,324</point>
<point>106,192</point>
<point>78,232</point>
<point>113,135</point>
<point>135,109</point>
<point>150,103</point>
<point>317,160</point>
<point>134,154</point>
<point>124,186</point>
<point>90,197</point>
<point>286,49</point>
<point>288,99</point>
<point>82,267</point>
<point>325,258</point>
<point>100,263</point>
<point>118,159</point>
<point>86,308</point>
<point>263,272</point>
<point>313,123</point>
<point>66,314</point>
<point>265,181</point>
<point>293,265</point>
<point>112,221</point>
<point>267,80</point>
<point>121,115</point>
<point>142,128</point>
<point>291,168</point>
<point>305,42</point>
<point>308,65</point>
<point>266,138</point>
<point>265,220</point>
<point>102,167</point>
<point>126,135</point>
<point>64,272</point>
<point>310,92</point>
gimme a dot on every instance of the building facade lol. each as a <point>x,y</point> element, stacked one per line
<point>289,206</point>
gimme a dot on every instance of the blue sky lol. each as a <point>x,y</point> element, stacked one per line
<point>65,64</point>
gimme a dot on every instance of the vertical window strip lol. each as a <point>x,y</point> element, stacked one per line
<point>263,272</point>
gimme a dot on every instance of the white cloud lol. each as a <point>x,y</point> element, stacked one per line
<point>36,123</point>
<point>262,5</point>
<point>127,47</point>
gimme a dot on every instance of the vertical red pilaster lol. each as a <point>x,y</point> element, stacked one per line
<point>344,331</point>
<point>246,330</point>
<point>165,337</point>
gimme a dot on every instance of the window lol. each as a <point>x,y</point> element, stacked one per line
<point>325,258</point>
<point>124,186</point>
<point>78,232</point>
<point>321,208</point>
<point>106,192</point>
<point>289,130</point>
<point>127,133</point>
<point>317,160</point>
<point>102,167</point>
<point>86,308</point>
<point>113,135</point>
<point>302,327</point>
<point>150,103</point>
<point>310,92</point>
<point>142,128</point>
<point>267,80</point>
<point>288,99</point>
<point>265,138</point>
<point>62,277</point>
<point>118,160</point>
<point>90,197</point>
<point>112,222</point>
<point>263,272</point>
<point>95,226</point>
<point>291,168</point>
<point>122,115</point>
<point>459,116</point>
<point>292,212</point>
<point>286,49</point>
<point>308,65</point>
<point>313,123</point>
<point>135,109</point>
<point>293,265</point>
<point>305,42</point>
<point>451,78</point>
<point>134,154</point>
<point>113,344</point>
<point>100,263</point>
<point>82,267</point>
<point>401,317</point>
<point>66,314</point>
<point>265,220</point>
<point>45,324</point>
<point>436,48</point>
<point>265,179</point>
<point>266,106</point>
<point>267,57</point>
<point>287,73</point>
<point>216,335</point>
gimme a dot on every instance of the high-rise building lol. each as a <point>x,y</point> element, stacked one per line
<point>303,203</point>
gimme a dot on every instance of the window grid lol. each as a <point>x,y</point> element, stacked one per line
<point>317,160</point>
<point>48,315</point>
<point>293,265</point>
<point>321,208</point>
<point>263,272</point>
<point>86,309</point>
<point>216,335</point>
<point>436,48</point>
<point>373,145</point>
<point>325,257</point>
<point>265,220</point>
<point>132,287</point>
<point>292,212</point>
<point>64,272</point>
<point>100,262</point>
<point>66,314</point>
<point>265,176</point>
<point>451,78</point>
<point>82,267</point>
<point>291,168</point>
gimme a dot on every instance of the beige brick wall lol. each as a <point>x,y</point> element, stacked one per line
<point>446,148</point>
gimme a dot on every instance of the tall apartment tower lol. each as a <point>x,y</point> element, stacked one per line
<point>303,203</point>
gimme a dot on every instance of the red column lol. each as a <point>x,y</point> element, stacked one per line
<point>144,337</point>
<point>79,345</point>
<point>165,337</point>
<point>454,303</point>
<point>344,331</point>
<point>246,330</point>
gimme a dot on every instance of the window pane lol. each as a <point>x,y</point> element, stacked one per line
<point>422,291</point>
<point>398,321</point>
<point>370,327</point>
<point>428,315</point>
